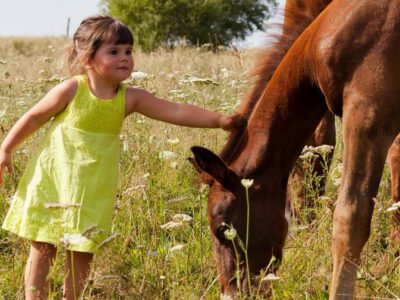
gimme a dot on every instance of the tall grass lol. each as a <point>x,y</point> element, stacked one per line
<point>175,261</point>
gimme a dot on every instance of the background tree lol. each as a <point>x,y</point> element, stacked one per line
<point>217,22</point>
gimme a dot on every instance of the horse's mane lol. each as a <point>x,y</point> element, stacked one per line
<point>296,20</point>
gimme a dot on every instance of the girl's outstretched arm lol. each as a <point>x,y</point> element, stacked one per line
<point>145,103</point>
<point>54,102</point>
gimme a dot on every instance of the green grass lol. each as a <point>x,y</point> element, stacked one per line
<point>139,262</point>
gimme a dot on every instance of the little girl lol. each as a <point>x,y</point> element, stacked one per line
<point>68,189</point>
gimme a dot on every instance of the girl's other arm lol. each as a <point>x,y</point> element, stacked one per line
<point>54,102</point>
<point>182,114</point>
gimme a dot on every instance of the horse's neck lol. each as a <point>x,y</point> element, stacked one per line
<point>286,115</point>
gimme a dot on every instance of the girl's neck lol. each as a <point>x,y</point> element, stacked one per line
<point>102,88</point>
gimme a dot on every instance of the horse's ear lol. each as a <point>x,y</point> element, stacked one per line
<point>205,178</point>
<point>210,163</point>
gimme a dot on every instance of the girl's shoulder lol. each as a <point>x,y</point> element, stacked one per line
<point>66,90</point>
<point>133,97</point>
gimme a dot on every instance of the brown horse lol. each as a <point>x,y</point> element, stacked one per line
<point>346,62</point>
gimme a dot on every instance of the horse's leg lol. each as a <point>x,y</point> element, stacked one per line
<point>363,163</point>
<point>393,160</point>
<point>324,134</point>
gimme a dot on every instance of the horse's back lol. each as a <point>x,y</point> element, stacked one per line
<point>356,47</point>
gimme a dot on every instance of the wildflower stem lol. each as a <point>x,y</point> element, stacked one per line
<point>248,218</point>
<point>247,238</point>
<point>237,275</point>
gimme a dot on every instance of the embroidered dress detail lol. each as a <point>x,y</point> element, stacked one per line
<point>69,187</point>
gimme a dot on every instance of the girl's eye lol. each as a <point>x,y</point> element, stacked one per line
<point>128,52</point>
<point>113,52</point>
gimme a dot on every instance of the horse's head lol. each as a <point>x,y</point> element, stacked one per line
<point>227,213</point>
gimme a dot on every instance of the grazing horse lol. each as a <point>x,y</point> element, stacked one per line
<point>346,62</point>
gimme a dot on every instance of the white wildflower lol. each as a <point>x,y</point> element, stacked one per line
<point>324,198</point>
<point>324,149</point>
<point>394,207</point>
<point>176,248</point>
<point>166,155</point>
<point>173,141</point>
<point>162,277</point>
<point>197,80</point>
<point>174,164</point>
<point>73,239</point>
<point>308,156</point>
<point>230,234</point>
<point>338,168</point>
<point>225,297</point>
<point>125,145</point>
<point>140,75</point>
<point>23,151</point>
<point>2,113</point>
<point>171,224</point>
<point>226,73</point>
<point>247,182</point>
<point>337,182</point>
<point>182,218</point>
<point>270,277</point>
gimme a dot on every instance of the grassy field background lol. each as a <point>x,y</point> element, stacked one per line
<point>144,259</point>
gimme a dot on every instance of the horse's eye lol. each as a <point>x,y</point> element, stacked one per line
<point>220,232</point>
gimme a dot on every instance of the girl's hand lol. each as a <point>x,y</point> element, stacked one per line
<point>5,162</point>
<point>229,123</point>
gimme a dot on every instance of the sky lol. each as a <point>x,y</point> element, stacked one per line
<point>50,17</point>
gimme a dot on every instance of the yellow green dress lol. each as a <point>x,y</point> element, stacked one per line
<point>67,194</point>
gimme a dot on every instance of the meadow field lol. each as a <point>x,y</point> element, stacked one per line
<point>160,244</point>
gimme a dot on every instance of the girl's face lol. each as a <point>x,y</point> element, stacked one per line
<point>111,62</point>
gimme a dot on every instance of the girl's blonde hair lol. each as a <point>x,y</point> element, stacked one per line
<point>90,35</point>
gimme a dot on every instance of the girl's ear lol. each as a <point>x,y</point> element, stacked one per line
<point>86,62</point>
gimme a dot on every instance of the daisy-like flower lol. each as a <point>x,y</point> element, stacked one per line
<point>247,182</point>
